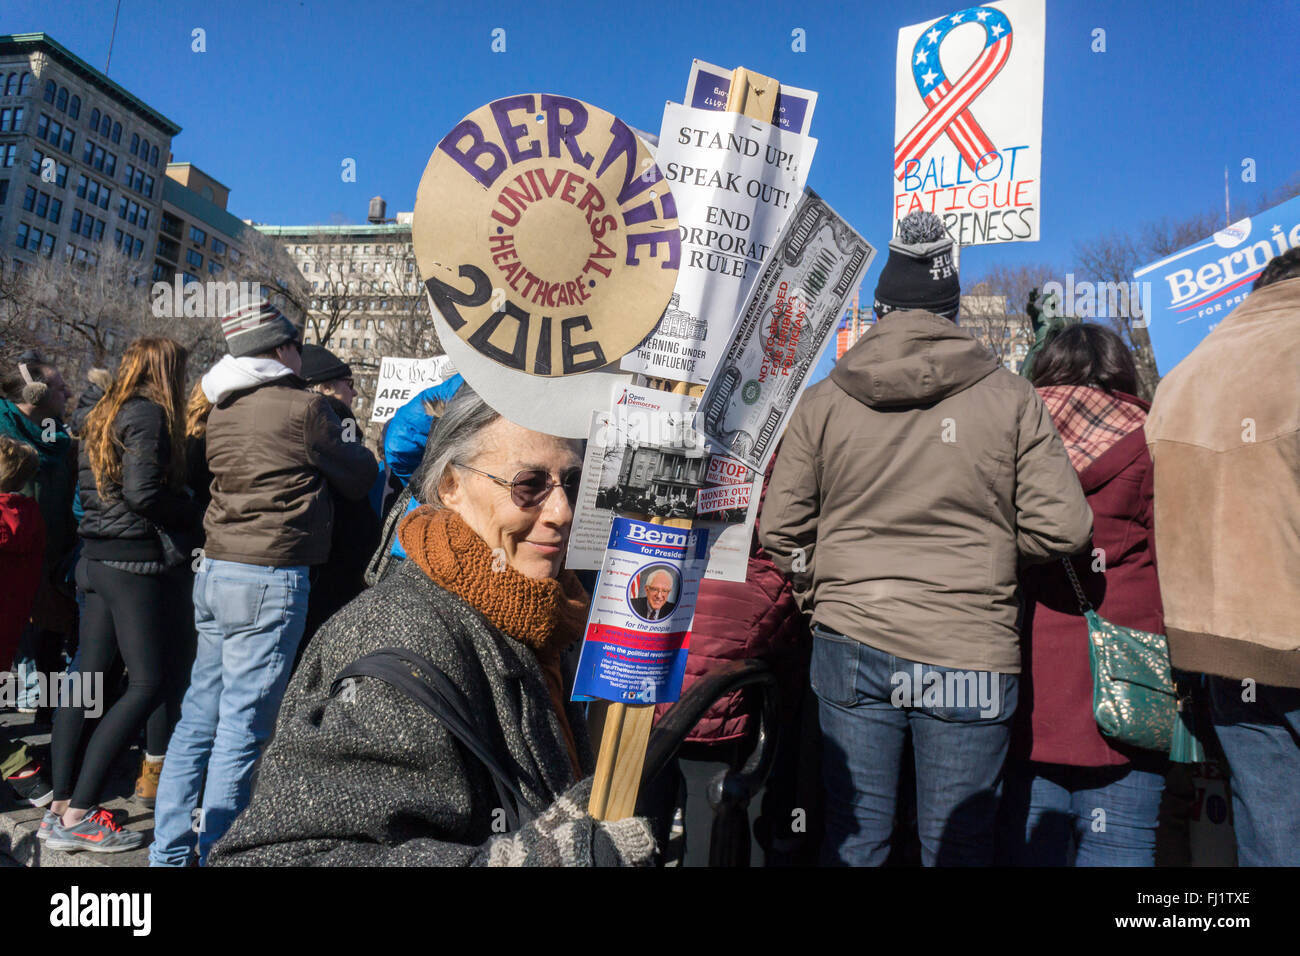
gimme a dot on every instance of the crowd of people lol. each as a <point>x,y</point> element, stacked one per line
<point>334,657</point>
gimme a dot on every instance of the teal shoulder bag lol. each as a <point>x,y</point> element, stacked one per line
<point>1133,695</point>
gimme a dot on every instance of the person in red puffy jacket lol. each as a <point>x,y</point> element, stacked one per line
<point>1072,796</point>
<point>734,621</point>
<point>22,549</point>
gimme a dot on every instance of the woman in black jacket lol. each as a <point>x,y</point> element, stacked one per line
<point>132,471</point>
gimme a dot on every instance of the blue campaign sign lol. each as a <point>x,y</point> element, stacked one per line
<point>638,632</point>
<point>1192,291</point>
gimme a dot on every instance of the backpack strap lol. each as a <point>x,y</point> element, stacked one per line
<point>423,682</point>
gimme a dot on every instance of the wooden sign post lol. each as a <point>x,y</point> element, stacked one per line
<point>626,727</point>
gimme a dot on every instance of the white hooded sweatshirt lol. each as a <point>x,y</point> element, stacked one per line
<point>233,374</point>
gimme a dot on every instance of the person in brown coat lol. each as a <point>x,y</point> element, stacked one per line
<point>1224,432</point>
<point>909,485</point>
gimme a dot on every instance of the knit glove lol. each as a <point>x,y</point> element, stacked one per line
<point>567,835</point>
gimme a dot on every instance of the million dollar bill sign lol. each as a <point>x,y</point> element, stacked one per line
<point>792,310</point>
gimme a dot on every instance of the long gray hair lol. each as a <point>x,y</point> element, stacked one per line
<point>455,438</point>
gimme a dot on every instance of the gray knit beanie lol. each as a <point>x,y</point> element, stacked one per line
<point>256,327</point>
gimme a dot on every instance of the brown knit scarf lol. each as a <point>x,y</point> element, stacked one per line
<point>546,614</point>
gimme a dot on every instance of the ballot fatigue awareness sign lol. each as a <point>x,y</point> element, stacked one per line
<point>968,121</point>
<point>638,631</point>
<point>1193,290</point>
<point>546,234</point>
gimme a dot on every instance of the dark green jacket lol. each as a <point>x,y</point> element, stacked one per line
<point>56,477</point>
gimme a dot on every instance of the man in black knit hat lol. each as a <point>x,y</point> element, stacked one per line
<point>909,485</point>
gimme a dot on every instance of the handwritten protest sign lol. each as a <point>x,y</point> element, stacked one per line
<point>1192,291</point>
<point>736,181</point>
<point>558,405</point>
<point>968,130</point>
<point>401,379</point>
<point>546,235</point>
<point>638,631</point>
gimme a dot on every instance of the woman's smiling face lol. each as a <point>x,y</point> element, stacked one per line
<point>534,539</point>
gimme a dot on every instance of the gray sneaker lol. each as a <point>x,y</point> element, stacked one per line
<point>48,823</point>
<point>98,832</point>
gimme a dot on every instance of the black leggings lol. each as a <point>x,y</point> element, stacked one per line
<point>148,619</point>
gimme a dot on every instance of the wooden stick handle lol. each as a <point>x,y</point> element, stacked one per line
<point>626,729</point>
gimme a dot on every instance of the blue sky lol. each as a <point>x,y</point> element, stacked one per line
<point>289,88</point>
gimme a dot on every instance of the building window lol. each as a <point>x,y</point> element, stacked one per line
<point>24,84</point>
<point>56,209</point>
<point>117,132</point>
<point>197,235</point>
<point>153,156</point>
<point>148,186</point>
<point>94,119</point>
<point>216,268</point>
<point>144,219</point>
<point>50,88</point>
<point>61,101</point>
<point>218,246</point>
<point>74,108</point>
<point>110,167</point>
<point>7,154</point>
<point>29,198</point>
<point>105,125</point>
<point>11,121</point>
<point>20,238</point>
<point>135,143</point>
<point>193,258</point>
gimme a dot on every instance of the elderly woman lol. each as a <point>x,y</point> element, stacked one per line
<point>371,778</point>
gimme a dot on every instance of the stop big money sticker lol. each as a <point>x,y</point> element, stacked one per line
<point>546,235</point>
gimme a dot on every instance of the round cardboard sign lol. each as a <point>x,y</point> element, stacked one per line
<point>546,235</point>
<point>554,406</point>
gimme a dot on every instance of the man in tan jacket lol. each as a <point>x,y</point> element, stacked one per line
<point>1224,433</point>
<point>908,487</point>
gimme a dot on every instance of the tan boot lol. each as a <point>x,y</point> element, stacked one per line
<point>146,785</point>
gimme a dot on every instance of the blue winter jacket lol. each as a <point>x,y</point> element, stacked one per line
<point>408,432</point>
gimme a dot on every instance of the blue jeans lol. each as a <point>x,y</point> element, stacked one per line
<point>1056,815</point>
<point>868,701</point>
<point>1261,739</point>
<point>249,620</point>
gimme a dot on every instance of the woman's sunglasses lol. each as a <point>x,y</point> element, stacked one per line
<point>530,488</point>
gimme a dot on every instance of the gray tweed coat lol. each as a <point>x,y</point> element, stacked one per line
<point>376,780</point>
